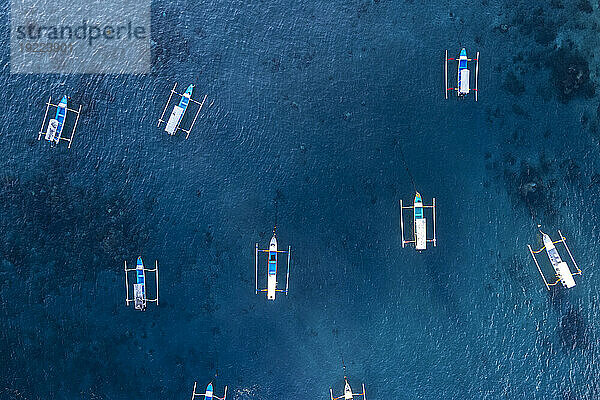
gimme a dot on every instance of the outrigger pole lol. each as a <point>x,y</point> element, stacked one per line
<point>564,240</point>
<point>196,116</point>
<point>45,115</point>
<point>256,270</point>
<point>287,279</point>
<point>539,269</point>
<point>446,74</point>
<point>476,75</point>
<point>401,219</point>
<point>166,105</point>
<point>434,236</point>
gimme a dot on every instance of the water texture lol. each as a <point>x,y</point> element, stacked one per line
<point>313,104</point>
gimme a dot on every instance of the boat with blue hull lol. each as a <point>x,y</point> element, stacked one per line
<point>179,111</point>
<point>209,394</point>
<point>55,131</point>
<point>272,261</point>
<point>55,126</point>
<point>463,79</point>
<point>419,223</point>
<point>174,121</point>
<point>139,288</point>
<point>140,299</point>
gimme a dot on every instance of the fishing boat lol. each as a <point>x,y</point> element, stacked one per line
<point>561,268</point>
<point>420,223</point>
<point>55,126</point>
<point>463,78</point>
<point>272,268</point>
<point>179,111</point>
<point>54,131</point>
<point>172,125</point>
<point>209,394</point>
<point>139,288</point>
<point>463,73</point>
<point>420,239</point>
<point>348,395</point>
<point>140,298</point>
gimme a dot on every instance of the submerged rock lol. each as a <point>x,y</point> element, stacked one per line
<point>570,75</point>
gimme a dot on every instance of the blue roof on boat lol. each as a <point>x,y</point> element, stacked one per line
<point>462,63</point>
<point>272,268</point>
<point>140,262</point>
<point>418,212</point>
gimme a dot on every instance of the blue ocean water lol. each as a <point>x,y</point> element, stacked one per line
<point>312,106</point>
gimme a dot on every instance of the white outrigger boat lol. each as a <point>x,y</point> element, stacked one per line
<point>420,239</point>
<point>54,131</point>
<point>172,125</point>
<point>348,395</point>
<point>140,299</point>
<point>562,270</point>
<point>272,268</point>
<point>463,74</point>
<point>208,394</point>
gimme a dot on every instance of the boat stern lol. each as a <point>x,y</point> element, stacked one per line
<point>463,86</point>
<point>421,234</point>
<point>564,274</point>
<point>420,223</point>
<point>271,287</point>
<point>51,131</point>
<point>139,297</point>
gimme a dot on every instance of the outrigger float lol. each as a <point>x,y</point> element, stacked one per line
<point>172,125</point>
<point>209,394</point>
<point>420,239</point>
<point>54,131</point>
<point>463,74</point>
<point>272,268</point>
<point>562,270</point>
<point>139,288</point>
<point>348,395</point>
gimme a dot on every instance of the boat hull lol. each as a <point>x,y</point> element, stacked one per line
<point>272,269</point>
<point>560,267</point>
<point>179,111</point>
<point>420,224</point>
<point>139,288</point>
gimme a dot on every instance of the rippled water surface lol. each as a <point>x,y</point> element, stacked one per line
<point>312,105</point>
